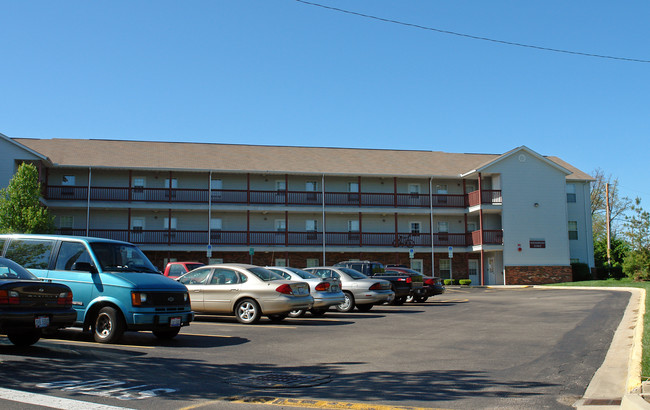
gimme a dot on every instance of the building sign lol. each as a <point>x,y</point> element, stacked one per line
<point>537,243</point>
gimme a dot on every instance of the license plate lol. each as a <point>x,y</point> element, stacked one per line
<point>334,288</point>
<point>175,322</point>
<point>42,321</point>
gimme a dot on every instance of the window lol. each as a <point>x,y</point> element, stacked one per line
<point>414,189</point>
<point>417,265</point>
<point>30,253</point>
<point>415,227</point>
<point>70,253</point>
<point>471,226</point>
<point>312,262</point>
<point>441,191</point>
<point>174,185</point>
<point>137,225</point>
<point>280,225</point>
<point>224,277</point>
<point>281,262</point>
<point>570,193</point>
<point>170,227</point>
<point>215,228</point>
<point>216,185</point>
<point>470,188</point>
<point>311,226</point>
<point>66,224</point>
<point>445,268</point>
<point>573,230</point>
<point>311,187</point>
<point>138,184</point>
<point>281,186</point>
<point>443,230</point>
<point>353,189</point>
<point>353,230</point>
<point>67,181</point>
<point>196,277</point>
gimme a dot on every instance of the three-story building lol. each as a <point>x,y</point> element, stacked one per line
<point>514,218</point>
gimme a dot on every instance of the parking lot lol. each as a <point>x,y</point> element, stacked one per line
<point>469,348</point>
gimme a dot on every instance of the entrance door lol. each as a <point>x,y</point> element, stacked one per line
<point>492,278</point>
<point>474,273</point>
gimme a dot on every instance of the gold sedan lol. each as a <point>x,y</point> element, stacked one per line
<point>247,291</point>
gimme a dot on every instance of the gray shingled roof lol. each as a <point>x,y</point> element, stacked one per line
<point>261,158</point>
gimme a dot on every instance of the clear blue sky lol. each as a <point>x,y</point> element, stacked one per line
<point>281,72</point>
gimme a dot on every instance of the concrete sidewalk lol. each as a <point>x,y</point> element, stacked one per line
<point>617,383</point>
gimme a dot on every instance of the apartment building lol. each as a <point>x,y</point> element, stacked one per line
<point>513,218</point>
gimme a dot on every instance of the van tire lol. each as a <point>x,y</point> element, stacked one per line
<point>109,325</point>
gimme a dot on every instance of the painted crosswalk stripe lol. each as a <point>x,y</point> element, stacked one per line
<point>52,402</point>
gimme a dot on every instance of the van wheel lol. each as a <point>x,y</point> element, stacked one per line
<point>24,339</point>
<point>348,304</point>
<point>167,334</point>
<point>109,326</point>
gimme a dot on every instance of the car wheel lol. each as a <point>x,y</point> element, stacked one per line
<point>318,312</point>
<point>348,304</point>
<point>297,313</point>
<point>364,308</point>
<point>109,325</point>
<point>23,339</point>
<point>410,299</point>
<point>247,311</point>
<point>421,299</point>
<point>167,334</point>
<point>399,301</point>
<point>278,317</point>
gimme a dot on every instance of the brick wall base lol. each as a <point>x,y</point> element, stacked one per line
<point>537,275</point>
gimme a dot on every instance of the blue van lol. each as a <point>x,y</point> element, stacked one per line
<point>114,286</point>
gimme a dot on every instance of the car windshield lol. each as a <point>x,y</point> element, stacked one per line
<point>303,274</point>
<point>11,270</point>
<point>192,266</point>
<point>265,274</point>
<point>120,257</point>
<point>354,274</point>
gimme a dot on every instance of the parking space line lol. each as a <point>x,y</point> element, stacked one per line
<point>304,403</point>
<point>95,344</point>
<point>198,334</point>
<point>52,401</point>
<point>242,325</point>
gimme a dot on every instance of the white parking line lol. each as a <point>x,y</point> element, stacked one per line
<point>52,402</point>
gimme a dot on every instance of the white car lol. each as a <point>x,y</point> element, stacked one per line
<point>247,291</point>
<point>325,291</point>
<point>359,290</point>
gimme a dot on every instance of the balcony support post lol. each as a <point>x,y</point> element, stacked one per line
<point>480,227</point>
<point>90,175</point>
<point>433,246</point>
<point>360,229</point>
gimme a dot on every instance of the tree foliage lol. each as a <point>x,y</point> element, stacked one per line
<point>637,232</point>
<point>618,206</point>
<point>21,210</point>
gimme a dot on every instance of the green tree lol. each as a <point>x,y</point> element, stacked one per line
<point>21,210</point>
<point>637,232</point>
<point>618,206</point>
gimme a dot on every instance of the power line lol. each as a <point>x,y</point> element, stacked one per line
<point>510,43</point>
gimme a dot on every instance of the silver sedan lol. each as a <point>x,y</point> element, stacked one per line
<point>360,290</point>
<point>326,291</point>
<point>247,291</point>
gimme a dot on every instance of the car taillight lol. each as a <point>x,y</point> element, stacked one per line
<point>430,282</point>
<point>138,298</point>
<point>323,286</point>
<point>9,297</point>
<point>375,286</point>
<point>65,299</point>
<point>285,288</point>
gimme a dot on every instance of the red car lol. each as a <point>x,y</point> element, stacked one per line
<point>177,269</point>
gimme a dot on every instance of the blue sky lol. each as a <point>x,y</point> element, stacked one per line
<point>281,72</point>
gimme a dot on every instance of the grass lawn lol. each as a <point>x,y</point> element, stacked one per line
<point>627,282</point>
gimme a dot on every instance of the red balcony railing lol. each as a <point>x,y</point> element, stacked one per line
<point>488,197</point>
<point>282,238</point>
<point>233,196</point>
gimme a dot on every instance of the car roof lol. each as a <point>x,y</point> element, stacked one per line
<point>88,239</point>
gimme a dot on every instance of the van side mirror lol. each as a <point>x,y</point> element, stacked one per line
<point>84,266</point>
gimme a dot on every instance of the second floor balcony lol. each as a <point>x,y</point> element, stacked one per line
<point>280,197</point>
<point>295,239</point>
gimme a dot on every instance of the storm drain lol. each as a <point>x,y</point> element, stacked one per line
<point>281,380</point>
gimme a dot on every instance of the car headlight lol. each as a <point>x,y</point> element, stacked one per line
<point>138,298</point>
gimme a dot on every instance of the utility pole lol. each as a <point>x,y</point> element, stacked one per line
<point>609,256</point>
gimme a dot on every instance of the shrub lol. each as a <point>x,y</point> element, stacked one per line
<point>449,282</point>
<point>580,272</point>
<point>465,282</point>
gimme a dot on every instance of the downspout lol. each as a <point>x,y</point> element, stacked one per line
<point>323,222</point>
<point>433,258</point>
<point>90,174</point>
